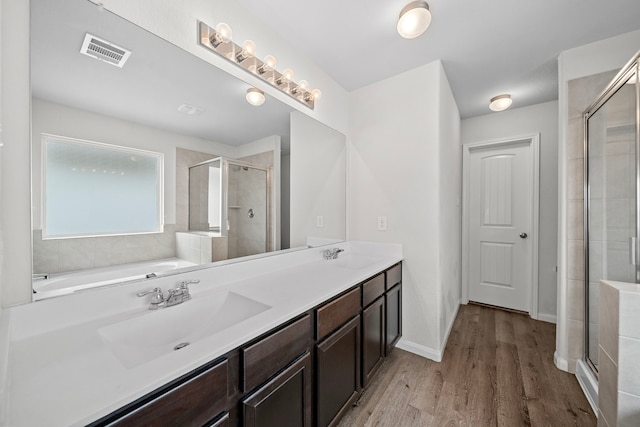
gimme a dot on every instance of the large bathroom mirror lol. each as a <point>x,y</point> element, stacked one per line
<point>166,102</point>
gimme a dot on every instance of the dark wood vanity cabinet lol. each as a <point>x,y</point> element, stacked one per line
<point>279,365</point>
<point>307,372</point>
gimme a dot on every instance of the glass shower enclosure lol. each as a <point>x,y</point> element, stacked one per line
<point>231,199</point>
<point>612,178</point>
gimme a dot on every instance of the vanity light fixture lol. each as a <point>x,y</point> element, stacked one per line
<point>255,96</point>
<point>414,19</point>
<point>222,34</point>
<point>500,102</point>
<point>268,65</point>
<point>302,87</point>
<point>286,77</point>
<point>248,51</point>
<point>218,40</point>
<point>314,94</point>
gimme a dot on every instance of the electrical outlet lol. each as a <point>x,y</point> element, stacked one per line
<point>319,221</point>
<point>382,223</point>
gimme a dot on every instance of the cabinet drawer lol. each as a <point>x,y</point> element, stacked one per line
<point>334,314</point>
<point>372,289</point>
<point>192,403</point>
<point>394,276</point>
<point>269,355</point>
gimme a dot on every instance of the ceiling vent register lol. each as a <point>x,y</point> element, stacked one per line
<point>104,51</point>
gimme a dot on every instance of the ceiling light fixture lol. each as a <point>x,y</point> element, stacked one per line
<point>255,96</point>
<point>414,19</point>
<point>218,40</point>
<point>500,102</point>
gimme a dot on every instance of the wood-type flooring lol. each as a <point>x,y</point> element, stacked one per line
<point>497,370</point>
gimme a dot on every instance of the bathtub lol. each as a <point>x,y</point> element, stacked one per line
<point>73,281</point>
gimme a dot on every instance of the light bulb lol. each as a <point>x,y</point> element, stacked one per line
<point>255,96</point>
<point>414,19</point>
<point>303,85</point>
<point>287,76</point>
<point>248,51</point>
<point>268,65</point>
<point>314,95</point>
<point>223,34</point>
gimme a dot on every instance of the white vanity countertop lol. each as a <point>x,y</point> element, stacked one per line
<point>60,372</point>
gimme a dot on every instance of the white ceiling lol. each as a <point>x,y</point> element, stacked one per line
<point>487,47</point>
<point>157,78</point>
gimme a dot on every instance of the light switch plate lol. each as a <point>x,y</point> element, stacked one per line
<point>382,223</point>
<point>319,221</point>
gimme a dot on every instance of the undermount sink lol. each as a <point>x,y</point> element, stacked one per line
<point>353,261</point>
<point>140,339</point>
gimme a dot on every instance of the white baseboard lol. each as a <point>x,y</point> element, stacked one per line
<point>443,344</point>
<point>549,318</point>
<point>420,350</point>
<point>560,362</point>
<point>428,352</point>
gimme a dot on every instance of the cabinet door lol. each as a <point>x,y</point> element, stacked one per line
<point>338,373</point>
<point>284,401</point>
<point>373,339</point>
<point>393,316</point>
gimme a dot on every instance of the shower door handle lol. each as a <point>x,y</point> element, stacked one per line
<point>633,251</point>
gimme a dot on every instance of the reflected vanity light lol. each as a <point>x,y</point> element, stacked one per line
<point>222,34</point>
<point>268,65</point>
<point>218,40</point>
<point>302,87</point>
<point>285,78</point>
<point>500,102</point>
<point>255,96</point>
<point>248,51</point>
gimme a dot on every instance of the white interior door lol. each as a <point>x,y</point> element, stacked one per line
<point>500,196</point>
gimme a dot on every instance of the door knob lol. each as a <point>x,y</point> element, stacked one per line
<point>523,235</point>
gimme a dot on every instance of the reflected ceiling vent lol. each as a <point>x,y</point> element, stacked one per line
<point>105,51</point>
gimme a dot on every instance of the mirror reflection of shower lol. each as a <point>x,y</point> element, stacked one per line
<point>229,203</point>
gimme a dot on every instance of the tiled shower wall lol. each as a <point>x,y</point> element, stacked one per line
<point>582,92</point>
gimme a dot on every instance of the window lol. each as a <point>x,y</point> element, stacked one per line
<point>93,189</point>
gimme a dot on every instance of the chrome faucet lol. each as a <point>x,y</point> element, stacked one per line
<point>157,298</point>
<point>331,253</point>
<point>175,296</point>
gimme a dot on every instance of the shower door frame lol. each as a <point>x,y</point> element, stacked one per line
<point>633,66</point>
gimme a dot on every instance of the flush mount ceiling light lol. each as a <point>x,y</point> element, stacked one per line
<point>219,41</point>
<point>414,19</point>
<point>255,96</point>
<point>500,102</point>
